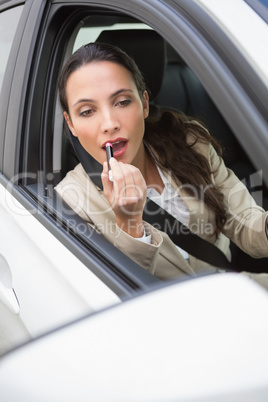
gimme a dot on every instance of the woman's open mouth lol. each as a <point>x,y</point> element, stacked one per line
<point>119,147</point>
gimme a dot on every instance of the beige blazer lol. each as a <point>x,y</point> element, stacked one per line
<point>245,221</point>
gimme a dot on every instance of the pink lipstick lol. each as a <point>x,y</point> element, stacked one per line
<point>109,154</point>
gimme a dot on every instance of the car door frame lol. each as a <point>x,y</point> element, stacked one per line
<point>200,50</point>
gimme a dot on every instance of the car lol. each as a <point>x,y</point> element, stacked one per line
<point>79,320</point>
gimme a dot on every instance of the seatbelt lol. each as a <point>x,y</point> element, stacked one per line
<point>183,237</point>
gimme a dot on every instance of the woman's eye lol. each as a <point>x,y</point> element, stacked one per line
<point>124,102</point>
<point>86,113</point>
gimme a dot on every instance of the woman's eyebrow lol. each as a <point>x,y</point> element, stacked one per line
<point>83,101</point>
<point>111,96</point>
<point>121,91</point>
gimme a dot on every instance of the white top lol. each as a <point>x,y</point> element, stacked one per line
<point>171,202</point>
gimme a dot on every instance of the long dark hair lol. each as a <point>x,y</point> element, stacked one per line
<point>167,136</point>
<point>178,134</point>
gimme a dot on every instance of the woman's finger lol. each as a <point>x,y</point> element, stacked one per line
<point>133,191</point>
<point>118,179</point>
<point>107,184</point>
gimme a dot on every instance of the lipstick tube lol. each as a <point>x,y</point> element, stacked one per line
<point>109,154</point>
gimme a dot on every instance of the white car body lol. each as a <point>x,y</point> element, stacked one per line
<point>247,40</point>
<point>203,340</point>
<point>67,334</point>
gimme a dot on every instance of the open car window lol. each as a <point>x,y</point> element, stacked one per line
<point>180,89</point>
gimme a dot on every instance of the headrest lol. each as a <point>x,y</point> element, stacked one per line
<point>146,47</point>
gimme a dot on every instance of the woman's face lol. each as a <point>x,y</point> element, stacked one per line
<point>105,106</point>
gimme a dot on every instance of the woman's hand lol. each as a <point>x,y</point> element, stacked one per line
<point>126,195</point>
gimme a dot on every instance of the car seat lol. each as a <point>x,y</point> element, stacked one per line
<point>182,90</point>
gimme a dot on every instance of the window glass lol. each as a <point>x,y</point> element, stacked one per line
<point>8,23</point>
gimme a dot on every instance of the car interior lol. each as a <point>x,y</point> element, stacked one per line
<point>173,85</point>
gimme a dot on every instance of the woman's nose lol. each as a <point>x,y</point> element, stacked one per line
<point>109,123</point>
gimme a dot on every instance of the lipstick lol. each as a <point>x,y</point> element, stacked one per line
<point>109,154</point>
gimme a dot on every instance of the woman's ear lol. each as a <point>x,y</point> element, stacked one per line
<point>145,104</point>
<point>69,122</point>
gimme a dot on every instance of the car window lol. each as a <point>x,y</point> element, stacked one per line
<point>8,23</point>
<point>181,90</point>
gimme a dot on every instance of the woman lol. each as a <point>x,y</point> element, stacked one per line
<point>172,160</point>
